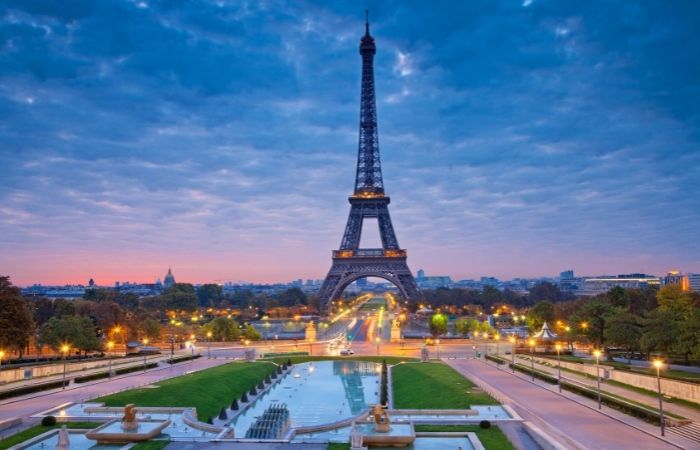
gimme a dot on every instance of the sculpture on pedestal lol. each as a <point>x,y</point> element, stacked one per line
<point>63,442</point>
<point>381,419</point>
<point>129,422</point>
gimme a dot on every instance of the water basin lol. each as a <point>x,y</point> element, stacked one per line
<point>323,392</point>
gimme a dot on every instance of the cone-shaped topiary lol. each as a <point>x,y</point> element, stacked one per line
<point>267,379</point>
<point>253,391</point>
<point>244,398</point>
<point>222,414</point>
<point>261,386</point>
<point>209,421</point>
<point>289,361</point>
<point>273,375</point>
<point>234,405</point>
<point>279,370</point>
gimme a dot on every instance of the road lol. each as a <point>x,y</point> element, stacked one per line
<point>573,423</point>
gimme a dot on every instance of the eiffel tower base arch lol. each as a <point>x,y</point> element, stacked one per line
<point>346,270</point>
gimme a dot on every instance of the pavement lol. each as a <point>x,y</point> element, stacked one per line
<point>574,422</point>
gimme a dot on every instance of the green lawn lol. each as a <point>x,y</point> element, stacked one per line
<point>338,446</point>
<point>39,429</point>
<point>301,359</point>
<point>492,438</point>
<point>434,386</point>
<point>150,445</point>
<point>207,390</point>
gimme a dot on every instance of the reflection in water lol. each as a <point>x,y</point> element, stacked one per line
<point>351,374</point>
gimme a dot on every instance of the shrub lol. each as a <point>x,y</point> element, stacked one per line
<point>222,414</point>
<point>261,386</point>
<point>209,421</point>
<point>253,391</point>
<point>485,424</point>
<point>48,421</point>
<point>289,361</point>
<point>31,388</point>
<point>244,398</point>
<point>234,405</point>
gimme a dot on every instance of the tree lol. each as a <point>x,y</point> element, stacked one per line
<point>209,295</point>
<point>465,326</point>
<point>150,328</point>
<point>16,321</point>
<point>623,330</point>
<point>594,312</point>
<point>438,324</point>
<point>547,291</point>
<point>539,314</point>
<point>76,331</point>
<point>660,330</point>
<point>222,329</point>
<point>251,333</point>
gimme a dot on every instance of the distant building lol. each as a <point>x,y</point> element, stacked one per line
<point>566,275</point>
<point>434,282</point>
<point>489,281</point>
<point>694,282</point>
<point>567,281</point>
<point>599,285</point>
<point>91,283</point>
<point>169,280</point>
<point>420,274</point>
<point>676,278</point>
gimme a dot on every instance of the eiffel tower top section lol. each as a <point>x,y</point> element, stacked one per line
<point>368,180</point>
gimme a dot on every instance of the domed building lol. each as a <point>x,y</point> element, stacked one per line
<point>169,280</point>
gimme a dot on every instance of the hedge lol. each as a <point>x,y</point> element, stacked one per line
<point>180,359</point>
<point>278,354</point>
<point>122,371</point>
<point>31,388</point>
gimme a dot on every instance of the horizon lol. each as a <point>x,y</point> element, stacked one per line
<point>516,139</point>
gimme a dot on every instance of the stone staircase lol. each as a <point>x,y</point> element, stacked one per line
<point>690,431</point>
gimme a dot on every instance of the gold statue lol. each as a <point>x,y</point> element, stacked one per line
<point>381,419</point>
<point>129,419</point>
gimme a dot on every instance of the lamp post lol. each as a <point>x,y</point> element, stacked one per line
<point>209,344</point>
<point>145,342</point>
<point>558,347</point>
<point>64,349</point>
<point>658,364</point>
<point>531,342</point>
<point>597,354</point>
<point>568,337</point>
<point>512,353</point>
<point>378,341</point>
<point>497,337</point>
<point>192,347</point>
<point>2,355</point>
<point>110,346</point>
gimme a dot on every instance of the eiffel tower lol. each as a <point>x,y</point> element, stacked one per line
<point>351,262</point>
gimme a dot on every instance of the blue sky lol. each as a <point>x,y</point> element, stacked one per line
<point>518,138</point>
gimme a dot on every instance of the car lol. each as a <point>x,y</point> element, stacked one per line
<point>347,352</point>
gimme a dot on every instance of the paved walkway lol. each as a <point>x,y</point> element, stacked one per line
<point>652,402</point>
<point>575,425</point>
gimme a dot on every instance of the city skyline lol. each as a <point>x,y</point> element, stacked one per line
<point>517,139</point>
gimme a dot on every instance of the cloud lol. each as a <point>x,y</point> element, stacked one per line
<point>221,137</point>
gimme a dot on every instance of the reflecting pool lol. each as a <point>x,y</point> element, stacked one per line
<point>318,392</point>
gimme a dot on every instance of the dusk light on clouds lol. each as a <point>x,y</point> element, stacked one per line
<point>518,138</point>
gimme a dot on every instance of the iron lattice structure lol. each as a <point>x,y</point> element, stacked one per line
<point>351,262</point>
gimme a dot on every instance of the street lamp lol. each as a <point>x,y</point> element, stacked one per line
<point>659,364</point>
<point>512,353</point>
<point>2,355</point>
<point>597,354</point>
<point>497,337</point>
<point>558,347</point>
<point>209,344</point>
<point>64,349</point>
<point>110,346</point>
<point>531,342</point>
<point>145,342</point>
<point>378,341</point>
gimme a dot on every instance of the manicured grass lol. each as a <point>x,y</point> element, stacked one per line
<point>207,390</point>
<point>301,359</point>
<point>434,386</point>
<point>492,438</point>
<point>39,429</point>
<point>338,446</point>
<point>150,445</point>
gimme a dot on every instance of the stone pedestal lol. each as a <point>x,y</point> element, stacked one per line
<point>250,355</point>
<point>310,335</point>
<point>424,354</point>
<point>395,331</point>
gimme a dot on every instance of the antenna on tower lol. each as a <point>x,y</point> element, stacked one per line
<point>367,22</point>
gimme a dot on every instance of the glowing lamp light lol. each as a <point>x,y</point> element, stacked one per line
<point>658,363</point>
<point>597,353</point>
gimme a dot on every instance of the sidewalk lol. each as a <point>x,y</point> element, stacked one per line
<point>651,401</point>
<point>570,416</point>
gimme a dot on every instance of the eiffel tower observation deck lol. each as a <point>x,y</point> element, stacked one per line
<point>350,262</point>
